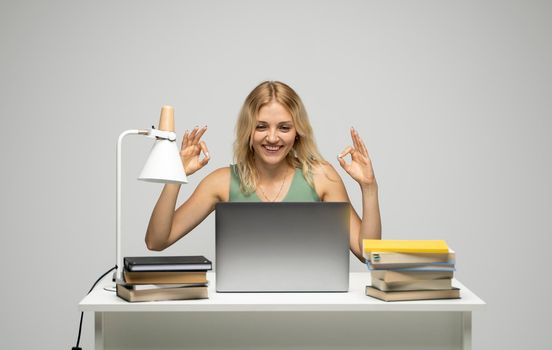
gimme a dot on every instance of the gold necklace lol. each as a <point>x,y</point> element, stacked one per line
<point>280,191</point>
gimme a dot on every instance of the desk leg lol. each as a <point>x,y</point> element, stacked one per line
<point>99,330</point>
<point>466,330</point>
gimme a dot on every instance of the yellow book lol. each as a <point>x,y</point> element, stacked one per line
<point>405,246</point>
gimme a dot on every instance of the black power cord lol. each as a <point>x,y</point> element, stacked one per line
<point>82,312</point>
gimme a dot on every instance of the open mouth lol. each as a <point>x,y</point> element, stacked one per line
<point>272,149</point>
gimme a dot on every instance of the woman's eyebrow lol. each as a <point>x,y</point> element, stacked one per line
<point>280,123</point>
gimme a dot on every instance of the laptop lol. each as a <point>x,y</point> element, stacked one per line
<point>282,247</point>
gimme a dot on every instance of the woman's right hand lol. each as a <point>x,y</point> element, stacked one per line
<point>191,149</point>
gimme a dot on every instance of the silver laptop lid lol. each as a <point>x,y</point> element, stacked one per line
<point>282,247</point>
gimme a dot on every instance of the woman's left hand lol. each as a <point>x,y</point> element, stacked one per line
<point>360,167</point>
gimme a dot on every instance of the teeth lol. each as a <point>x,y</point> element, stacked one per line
<point>272,148</point>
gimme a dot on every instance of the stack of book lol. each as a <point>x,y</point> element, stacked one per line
<point>410,269</point>
<point>156,278</point>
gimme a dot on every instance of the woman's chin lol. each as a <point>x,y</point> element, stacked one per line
<point>272,159</point>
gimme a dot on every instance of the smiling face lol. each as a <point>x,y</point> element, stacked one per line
<point>274,134</point>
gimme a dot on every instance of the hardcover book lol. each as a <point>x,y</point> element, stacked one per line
<point>435,267</point>
<point>167,263</point>
<point>409,258</point>
<point>159,293</point>
<point>413,285</point>
<point>164,277</point>
<point>404,246</point>
<point>413,294</point>
<point>409,276</point>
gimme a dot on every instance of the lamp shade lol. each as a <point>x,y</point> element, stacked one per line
<point>164,164</point>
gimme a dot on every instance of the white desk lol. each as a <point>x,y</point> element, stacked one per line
<point>282,321</point>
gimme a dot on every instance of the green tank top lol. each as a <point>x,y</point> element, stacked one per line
<point>299,190</point>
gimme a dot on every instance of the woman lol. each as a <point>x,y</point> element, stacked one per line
<point>276,160</point>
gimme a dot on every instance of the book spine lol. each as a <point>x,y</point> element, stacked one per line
<point>397,276</point>
<point>420,258</point>
<point>442,267</point>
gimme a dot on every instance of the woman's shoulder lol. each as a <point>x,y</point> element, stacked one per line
<point>219,174</point>
<point>216,183</point>
<point>326,180</point>
<point>328,183</point>
<point>325,172</point>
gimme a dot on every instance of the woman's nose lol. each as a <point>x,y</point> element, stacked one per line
<point>272,137</point>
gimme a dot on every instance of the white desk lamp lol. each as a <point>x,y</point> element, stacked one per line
<point>163,165</point>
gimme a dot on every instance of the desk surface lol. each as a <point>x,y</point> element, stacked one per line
<point>100,300</point>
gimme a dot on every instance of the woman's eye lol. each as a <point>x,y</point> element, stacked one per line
<point>261,127</point>
<point>285,128</point>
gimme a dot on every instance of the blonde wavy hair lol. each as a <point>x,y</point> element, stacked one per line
<point>304,155</point>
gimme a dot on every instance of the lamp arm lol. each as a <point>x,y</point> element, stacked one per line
<point>119,274</point>
<point>151,133</point>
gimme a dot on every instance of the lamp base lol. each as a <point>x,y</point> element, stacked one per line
<point>111,288</point>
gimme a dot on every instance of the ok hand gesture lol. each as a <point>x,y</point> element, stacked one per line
<point>191,148</point>
<point>360,167</point>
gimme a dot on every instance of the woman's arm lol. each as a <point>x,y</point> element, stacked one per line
<point>370,227</point>
<point>360,169</point>
<point>167,226</point>
<point>161,219</point>
<point>332,189</point>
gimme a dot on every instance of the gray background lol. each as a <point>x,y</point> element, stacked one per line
<point>453,99</point>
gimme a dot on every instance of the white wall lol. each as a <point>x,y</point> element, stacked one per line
<point>452,99</point>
